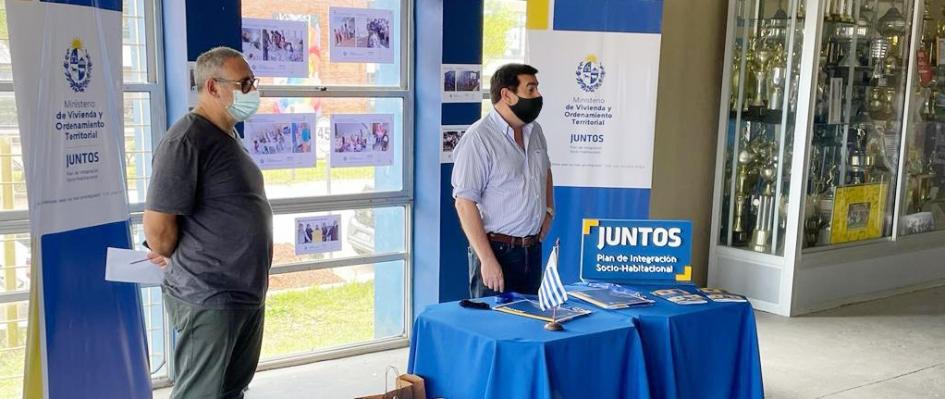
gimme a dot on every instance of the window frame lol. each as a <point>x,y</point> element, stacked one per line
<point>344,202</point>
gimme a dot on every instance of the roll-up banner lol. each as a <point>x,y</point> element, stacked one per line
<point>86,336</point>
<point>598,68</point>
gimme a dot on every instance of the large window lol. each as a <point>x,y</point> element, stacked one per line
<point>143,116</point>
<point>353,297</point>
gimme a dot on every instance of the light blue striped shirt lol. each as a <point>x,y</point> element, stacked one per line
<point>506,183</point>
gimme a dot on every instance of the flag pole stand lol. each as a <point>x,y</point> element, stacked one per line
<point>554,325</point>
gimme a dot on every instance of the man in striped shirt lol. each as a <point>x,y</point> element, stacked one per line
<point>503,188</point>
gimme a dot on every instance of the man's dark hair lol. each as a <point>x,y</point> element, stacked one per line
<point>506,77</point>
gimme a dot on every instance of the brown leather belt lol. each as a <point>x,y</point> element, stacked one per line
<point>523,242</point>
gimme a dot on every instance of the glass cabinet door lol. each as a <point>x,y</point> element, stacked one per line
<point>858,120</point>
<point>762,106</point>
<point>922,205</point>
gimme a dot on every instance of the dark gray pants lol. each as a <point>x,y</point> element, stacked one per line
<point>217,349</point>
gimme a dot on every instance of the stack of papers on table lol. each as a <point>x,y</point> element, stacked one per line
<point>529,308</point>
<point>680,297</point>
<point>609,299</point>
<point>719,295</point>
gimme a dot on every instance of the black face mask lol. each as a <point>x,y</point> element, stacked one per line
<point>527,109</point>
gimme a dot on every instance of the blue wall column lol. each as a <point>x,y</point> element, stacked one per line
<point>187,34</point>
<point>439,246</point>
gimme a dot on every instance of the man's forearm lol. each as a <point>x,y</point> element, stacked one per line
<point>161,234</point>
<point>162,243</point>
<point>471,221</point>
<point>550,191</point>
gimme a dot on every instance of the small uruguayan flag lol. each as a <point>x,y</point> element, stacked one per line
<point>551,293</point>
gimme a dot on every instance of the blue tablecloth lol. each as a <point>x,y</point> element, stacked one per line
<point>699,351</point>
<point>693,351</point>
<point>469,353</point>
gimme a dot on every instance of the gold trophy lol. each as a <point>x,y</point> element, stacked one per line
<point>879,102</point>
<point>762,55</point>
<point>749,79</point>
<point>776,75</point>
<point>868,162</point>
<point>741,196</point>
<point>764,221</point>
<point>840,10</point>
<point>858,159</point>
<point>763,154</point>
<point>921,176</point>
<point>927,95</point>
<point>825,206</point>
<point>814,222</point>
<point>878,167</point>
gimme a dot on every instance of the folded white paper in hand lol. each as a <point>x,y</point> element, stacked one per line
<point>129,266</point>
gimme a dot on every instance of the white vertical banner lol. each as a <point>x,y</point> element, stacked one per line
<point>86,336</point>
<point>67,78</point>
<point>598,68</point>
<point>599,111</point>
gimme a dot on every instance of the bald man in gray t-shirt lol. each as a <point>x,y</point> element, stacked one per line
<point>209,224</point>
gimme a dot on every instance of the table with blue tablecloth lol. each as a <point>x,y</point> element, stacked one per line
<point>698,351</point>
<point>693,351</point>
<point>471,353</point>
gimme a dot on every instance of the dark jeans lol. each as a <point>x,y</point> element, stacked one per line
<point>521,269</point>
<point>217,350</point>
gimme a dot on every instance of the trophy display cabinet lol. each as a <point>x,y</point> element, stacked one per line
<point>830,171</point>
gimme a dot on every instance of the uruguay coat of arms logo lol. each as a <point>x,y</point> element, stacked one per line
<point>77,66</point>
<point>590,74</point>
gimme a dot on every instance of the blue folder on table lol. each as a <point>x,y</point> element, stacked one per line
<point>609,299</point>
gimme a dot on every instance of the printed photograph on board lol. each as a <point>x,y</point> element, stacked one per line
<point>362,140</point>
<point>317,234</point>
<point>361,35</point>
<point>461,83</point>
<point>276,48</point>
<point>280,141</point>
<point>449,138</point>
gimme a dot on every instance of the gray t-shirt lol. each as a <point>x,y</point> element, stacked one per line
<point>224,250</point>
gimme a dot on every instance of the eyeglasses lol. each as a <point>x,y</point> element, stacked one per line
<point>246,85</point>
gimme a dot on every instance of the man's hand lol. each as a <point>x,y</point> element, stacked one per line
<point>157,259</point>
<point>492,275</point>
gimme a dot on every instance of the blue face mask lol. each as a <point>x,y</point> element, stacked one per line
<point>244,105</point>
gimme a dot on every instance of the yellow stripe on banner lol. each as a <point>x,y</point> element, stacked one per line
<point>536,14</point>
<point>33,378</point>
<point>686,275</point>
<point>588,223</point>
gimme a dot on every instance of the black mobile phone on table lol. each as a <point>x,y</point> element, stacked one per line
<point>466,303</point>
